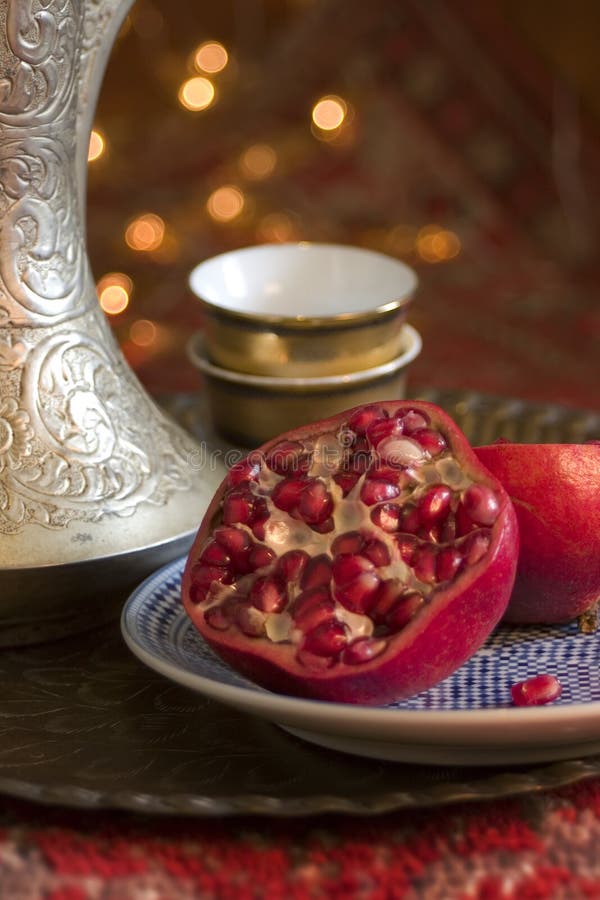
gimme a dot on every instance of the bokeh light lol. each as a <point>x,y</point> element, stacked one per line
<point>145,233</point>
<point>196,93</point>
<point>96,146</point>
<point>114,292</point>
<point>211,57</point>
<point>226,203</point>
<point>436,245</point>
<point>329,112</point>
<point>143,332</point>
<point>258,161</point>
<point>275,228</point>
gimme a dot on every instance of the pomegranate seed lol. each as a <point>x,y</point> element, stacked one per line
<point>238,508</point>
<point>286,494</point>
<point>247,469</point>
<point>268,595</point>
<point>476,546</point>
<point>424,565</point>
<point>410,520</point>
<point>448,530</point>
<point>414,421</point>
<point>363,650</point>
<point>387,517</point>
<point>324,527</point>
<point>388,473</point>
<point>289,456</point>
<point>430,440</point>
<point>348,566</point>
<point>217,618</point>
<point>377,552</point>
<point>481,504</point>
<point>387,597</point>
<point>362,418</point>
<point>317,572</point>
<point>346,481</point>
<point>249,620</point>
<point>360,459</point>
<point>260,557</point>
<point>259,528</point>
<point>233,539</point>
<point>316,504</point>
<point>291,565</point>
<point>536,691</point>
<point>400,451</point>
<point>313,607</point>
<point>435,504</point>
<point>382,429</point>
<point>359,595</point>
<point>204,576</point>
<point>405,610</point>
<point>327,639</point>
<point>448,563</point>
<point>375,491</point>
<point>214,554</point>
<point>351,542</point>
<point>407,544</point>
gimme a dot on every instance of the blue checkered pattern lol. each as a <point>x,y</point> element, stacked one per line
<point>156,621</point>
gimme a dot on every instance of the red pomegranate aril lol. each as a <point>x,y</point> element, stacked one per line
<point>286,493</point>
<point>268,594</point>
<point>382,429</point>
<point>387,597</point>
<point>377,552</point>
<point>214,554</point>
<point>350,542</point>
<point>381,472</point>
<point>260,557</point>
<point>289,457</point>
<point>316,504</point>
<point>291,565</point>
<point>407,544</point>
<point>414,421</point>
<point>476,546</point>
<point>481,504</point>
<point>238,508</point>
<point>327,639</point>
<point>404,611</point>
<point>430,440</point>
<point>324,527</point>
<point>245,470</point>
<point>313,607</point>
<point>348,566</point>
<point>448,563</point>
<point>217,617</point>
<point>233,539</point>
<point>424,564</point>
<point>360,594</point>
<point>387,517</point>
<point>317,572</point>
<point>346,481</point>
<point>435,504</point>
<point>410,520</point>
<point>204,576</point>
<point>363,650</point>
<point>536,691</point>
<point>377,491</point>
<point>364,417</point>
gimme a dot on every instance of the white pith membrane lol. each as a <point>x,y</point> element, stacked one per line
<point>419,472</point>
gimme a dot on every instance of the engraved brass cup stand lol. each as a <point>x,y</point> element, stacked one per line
<point>97,486</point>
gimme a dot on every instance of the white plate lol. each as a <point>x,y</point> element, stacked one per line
<point>466,719</point>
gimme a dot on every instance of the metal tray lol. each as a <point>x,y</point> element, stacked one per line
<point>84,724</point>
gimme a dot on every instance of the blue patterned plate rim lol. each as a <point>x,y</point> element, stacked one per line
<point>473,703</point>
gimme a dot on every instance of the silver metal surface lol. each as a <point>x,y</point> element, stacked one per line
<point>93,475</point>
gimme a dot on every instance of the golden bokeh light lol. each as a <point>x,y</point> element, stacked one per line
<point>114,292</point>
<point>143,332</point>
<point>436,245</point>
<point>96,146</point>
<point>145,233</point>
<point>276,228</point>
<point>196,93</point>
<point>329,112</point>
<point>226,203</point>
<point>258,161</point>
<point>211,57</point>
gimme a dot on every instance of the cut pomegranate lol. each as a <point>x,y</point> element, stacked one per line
<point>555,489</point>
<point>536,691</point>
<point>360,559</point>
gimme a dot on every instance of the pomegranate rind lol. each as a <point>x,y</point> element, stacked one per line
<point>555,489</point>
<point>438,640</point>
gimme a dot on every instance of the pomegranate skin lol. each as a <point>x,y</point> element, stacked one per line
<point>555,489</point>
<point>439,638</point>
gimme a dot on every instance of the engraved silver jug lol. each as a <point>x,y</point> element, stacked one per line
<point>97,486</point>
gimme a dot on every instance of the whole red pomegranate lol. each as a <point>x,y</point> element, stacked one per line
<point>555,489</point>
<point>360,559</point>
